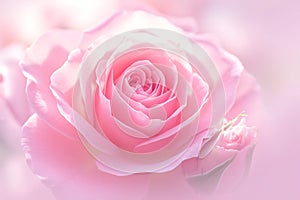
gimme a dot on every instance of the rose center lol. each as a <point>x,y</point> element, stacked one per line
<point>135,81</point>
<point>233,137</point>
<point>140,85</point>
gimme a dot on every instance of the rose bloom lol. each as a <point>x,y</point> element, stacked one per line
<point>136,108</point>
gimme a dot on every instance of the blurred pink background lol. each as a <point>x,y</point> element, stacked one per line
<point>265,35</point>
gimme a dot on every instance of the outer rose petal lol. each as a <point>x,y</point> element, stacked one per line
<point>66,166</point>
<point>197,171</point>
<point>41,60</point>
<point>229,67</point>
<point>122,22</point>
<point>95,185</point>
<point>238,169</point>
<point>172,10</point>
<point>170,185</point>
<point>14,110</point>
<point>12,83</point>
<point>248,100</point>
<point>9,129</point>
<point>220,170</point>
<point>52,155</point>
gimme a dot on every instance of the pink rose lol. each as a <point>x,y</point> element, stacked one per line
<point>236,135</point>
<point>121,106</point>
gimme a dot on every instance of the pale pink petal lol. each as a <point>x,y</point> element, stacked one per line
<point>45,56</point>
<point>229,67</point>
<point>45,104</point>
<point>136,119</point>
<point>12,83</point>
<point>64,164</point>
<point>189,113</point>
<point>237,171</point>
<point>94,185</point>
<point>204,174</point>
<point>196,166</point>
<point>49,53</point>
<point>51,156</point>
<point>64,78</point>
<point>122,22</point>
<point>248,100</point>
<point>83,127</point>
<point>110,127</point>
<point>172,185</point>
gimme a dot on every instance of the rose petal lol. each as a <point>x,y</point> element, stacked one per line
<point>45,56</point>
<point>204,174</point>
<point>64,83</point>
<point>170,184</point>
<point>44,103</point>
<point>48,53</point>
<point>197,167</point>
<point>229,67</point>
<point>237,170</point>
<point>12,83</point>
<point>122,22</point>
<point>66,166</point>
<point>50,155</point>
<point>94,185</point>
<point>247,100</point>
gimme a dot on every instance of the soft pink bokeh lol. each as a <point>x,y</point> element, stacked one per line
<point>23,21</point>
<point>263,34</point>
